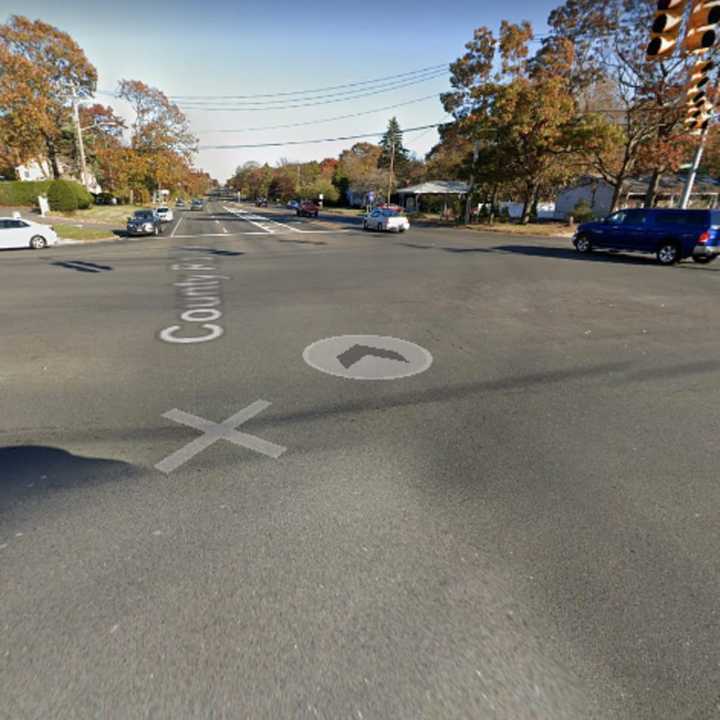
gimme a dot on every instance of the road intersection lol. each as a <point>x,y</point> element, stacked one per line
<point>526,529</point>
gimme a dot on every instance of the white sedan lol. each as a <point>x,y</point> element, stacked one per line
<point>21,233</point>
<point>165,214</point>
<point>384,219</point>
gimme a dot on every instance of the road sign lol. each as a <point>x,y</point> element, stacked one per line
<point>367,357</point>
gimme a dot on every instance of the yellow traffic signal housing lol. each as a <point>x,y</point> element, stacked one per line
<point>702,32</point>
<point>697,90</point>
<point>665,29</point>
<point>698,126</point>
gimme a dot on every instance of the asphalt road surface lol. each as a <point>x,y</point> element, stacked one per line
<point>527,528</point>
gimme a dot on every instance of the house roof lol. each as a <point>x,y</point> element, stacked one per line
<point>436,187</point>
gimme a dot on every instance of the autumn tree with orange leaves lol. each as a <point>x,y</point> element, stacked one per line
<point>640,103</point>
<point>41,68</point>
<point>519,115</point>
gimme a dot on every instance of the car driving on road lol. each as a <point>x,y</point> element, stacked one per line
<point>386,220</point>
<point>308,209</point>
<point>21,233</point>
<point>671,235</point>
<point>197,204</point>
<point>144,222</point>
<point>165,214</point>
<point>180,203</point>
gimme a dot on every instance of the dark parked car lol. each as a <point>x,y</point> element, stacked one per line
<point>308,209</point>
<point>180,204</point>
<point>105,199</point>
<point>261,202</point>
<point>671,235</point>
<point>144,222</point>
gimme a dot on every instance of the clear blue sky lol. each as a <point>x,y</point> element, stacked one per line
<point>239,47</point>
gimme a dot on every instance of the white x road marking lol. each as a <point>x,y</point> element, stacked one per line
<point>212,432</point>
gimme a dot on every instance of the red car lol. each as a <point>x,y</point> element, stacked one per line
<point>308,209</point>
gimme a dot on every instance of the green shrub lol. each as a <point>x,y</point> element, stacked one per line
<point>22,193</point>
<point>84,198</point>
<point>63,196</point>
<point>582,212</point>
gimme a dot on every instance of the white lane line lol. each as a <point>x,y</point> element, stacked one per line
<point>244,215</point>
<point>185,237</point>
<point>172,234</point>
<point>224,229</point>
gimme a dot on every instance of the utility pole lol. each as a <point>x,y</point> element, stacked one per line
<point>392,170</point>
<point>693,171</point>
<point>468,199</point>
<point>81,146</point>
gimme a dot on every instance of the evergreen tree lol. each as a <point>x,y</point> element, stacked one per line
<point>393,137</point>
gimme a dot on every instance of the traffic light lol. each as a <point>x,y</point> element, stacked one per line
<point>697,126</point>
<point>665,28</point>
<point>698,101</point>
<point>702,28</point>
<point>697,90</point>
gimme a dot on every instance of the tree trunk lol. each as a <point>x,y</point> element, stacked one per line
<point>530,200</point>
<point>652,190</point>
<point>616,195</point>
<point>52,158</point>
<point>493,204</point>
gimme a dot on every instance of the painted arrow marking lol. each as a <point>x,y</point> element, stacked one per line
<point>357,352</point>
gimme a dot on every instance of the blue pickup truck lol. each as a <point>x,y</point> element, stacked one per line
<point>671,235</point>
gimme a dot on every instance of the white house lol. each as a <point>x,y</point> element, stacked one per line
<point>34,170</point>
<point>40,170</point>
<point>598,194</point>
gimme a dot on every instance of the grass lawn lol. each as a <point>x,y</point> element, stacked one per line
<point>545,229</point>
<point>101,214</point>
<point>351,212</point>
<point>71,232</point>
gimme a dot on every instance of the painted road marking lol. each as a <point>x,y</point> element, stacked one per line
<point>201,297</point>
<point>367,357</point>
<point>251,218</point>
<point>268,224</point>
<point>212,432</point>
<point>199,235</point>
<point>177,225</point>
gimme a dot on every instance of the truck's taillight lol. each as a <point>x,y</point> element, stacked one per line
<point>702,240</point>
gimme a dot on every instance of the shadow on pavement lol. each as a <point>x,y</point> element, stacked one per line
<point>212,251</point>
<point>303,242</point>
<point>27,470</point>
<point>571,254</point>
<point>82,266</point>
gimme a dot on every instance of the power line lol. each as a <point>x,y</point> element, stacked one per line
<point>419,71</point>
<point>328,100</point>
<point>312,142</point>
<point>434,96</point>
